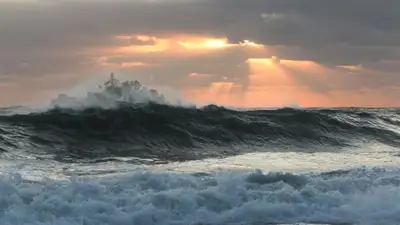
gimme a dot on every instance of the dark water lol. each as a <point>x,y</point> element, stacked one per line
<point>165,133</point>
<point>83,186</point>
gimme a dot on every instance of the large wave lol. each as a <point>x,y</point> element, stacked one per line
<point>168,133</point>
<point>129,120</point>
<point>123,122</point>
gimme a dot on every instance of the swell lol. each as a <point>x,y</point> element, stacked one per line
<point>165,133</point>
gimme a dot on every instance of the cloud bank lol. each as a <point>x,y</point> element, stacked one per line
<point>244,53</point>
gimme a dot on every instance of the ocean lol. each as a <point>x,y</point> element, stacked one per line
<point>155,164</point>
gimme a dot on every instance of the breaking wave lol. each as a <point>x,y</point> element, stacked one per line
<point>114,94</point>
<point>82,161</point>
<point>359,196</point>
<point>130,120</point>
<point>168,133</point>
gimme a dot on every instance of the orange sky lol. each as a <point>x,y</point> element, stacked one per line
<point>268,81</point>
<point>240,53</point>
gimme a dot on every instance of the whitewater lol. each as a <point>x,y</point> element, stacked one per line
<point>156,163</point>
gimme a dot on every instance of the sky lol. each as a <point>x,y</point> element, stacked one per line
<point>252,53</point>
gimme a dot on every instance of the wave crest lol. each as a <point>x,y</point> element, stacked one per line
<point>162,132</point>
<point>113,94</point>
<point>129,120</point>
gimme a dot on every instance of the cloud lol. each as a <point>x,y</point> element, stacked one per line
<point>348,45</point>
<point>271,22</point>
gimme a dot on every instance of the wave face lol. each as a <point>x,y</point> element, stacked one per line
<point>353,197</point>
<point>162,133</point>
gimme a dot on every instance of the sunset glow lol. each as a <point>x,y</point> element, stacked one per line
<point>205,44</point>
<point>259,51</point>
<point>269,80</point>
<point>184,44</point>
<point>275,82</point>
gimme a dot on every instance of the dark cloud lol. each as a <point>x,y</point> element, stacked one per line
<point>311,24</point>
<point>272,22</point>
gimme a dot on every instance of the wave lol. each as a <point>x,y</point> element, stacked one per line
<point>358,196</point>
<point>127,119</point>
<point>114,94</point>
<point>169,133</point>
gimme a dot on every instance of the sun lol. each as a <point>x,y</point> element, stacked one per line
<point>205,43</point>
<point>216,43</point>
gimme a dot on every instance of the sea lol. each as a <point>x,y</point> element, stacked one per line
<point>160,164</point>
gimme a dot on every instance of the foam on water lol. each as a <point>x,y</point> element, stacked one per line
<point>119,189</point>
<point>205,192</point>
<point>358,196</point>
<point>371,155</point>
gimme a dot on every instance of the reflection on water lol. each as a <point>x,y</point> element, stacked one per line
<point>369,156</point>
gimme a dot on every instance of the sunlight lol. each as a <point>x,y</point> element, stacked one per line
<point>216,43</point>
<point>179,44</point>
<point>267,72</point>
<point>250,43</point>
<point>203,43</point>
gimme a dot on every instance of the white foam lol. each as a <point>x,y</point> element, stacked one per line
<point>87,96</point>
<point>150,198</point>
